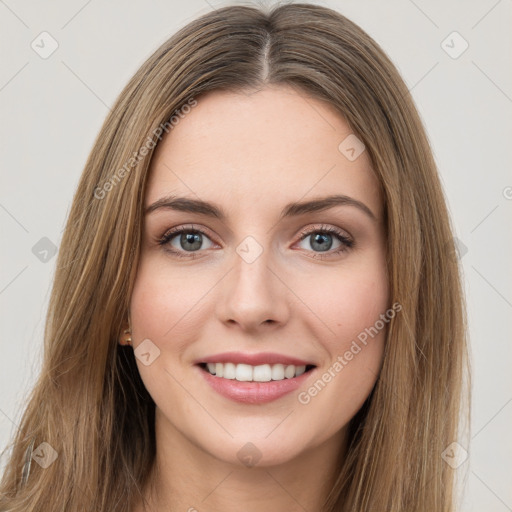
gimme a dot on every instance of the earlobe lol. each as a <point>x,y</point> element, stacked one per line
<point>126,338</point>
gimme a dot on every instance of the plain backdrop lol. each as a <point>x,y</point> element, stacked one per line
<point>52,107</point>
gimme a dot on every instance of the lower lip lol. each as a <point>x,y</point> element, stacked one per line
<point>254,392</point>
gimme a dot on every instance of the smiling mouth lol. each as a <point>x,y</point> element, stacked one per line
<point>259,373</point>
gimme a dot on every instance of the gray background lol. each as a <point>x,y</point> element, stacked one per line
<point>52,109</point>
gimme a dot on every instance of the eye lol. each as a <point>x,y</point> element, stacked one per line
<point>183,240</point>
<point>186,242</point>
<point>321,240</point>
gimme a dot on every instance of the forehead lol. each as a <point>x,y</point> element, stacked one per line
<point>261,149</point>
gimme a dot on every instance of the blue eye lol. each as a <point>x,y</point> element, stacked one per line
<point>187,242</point>
<point>321,239</point>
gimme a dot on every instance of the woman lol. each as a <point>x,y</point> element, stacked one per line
<point>256,303</point>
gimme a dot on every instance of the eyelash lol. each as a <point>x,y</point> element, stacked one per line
<point>346,242</point>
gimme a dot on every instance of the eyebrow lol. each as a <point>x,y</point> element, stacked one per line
<point>185,204</point>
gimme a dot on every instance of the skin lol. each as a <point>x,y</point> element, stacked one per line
<point>251,154</point>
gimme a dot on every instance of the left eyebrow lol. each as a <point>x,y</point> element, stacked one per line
<point>185,204</point>
<point>324,203</point>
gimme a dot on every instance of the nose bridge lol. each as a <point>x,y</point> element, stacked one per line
<point>254,294</point>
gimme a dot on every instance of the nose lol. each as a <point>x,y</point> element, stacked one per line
<point>254,295</point>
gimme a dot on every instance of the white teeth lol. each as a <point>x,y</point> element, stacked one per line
<point>277,372</point>
<point>260,373</point>
<point>243,372</point>
<point>299,370</point>
<point>229,371</point>
<point>289,371</point>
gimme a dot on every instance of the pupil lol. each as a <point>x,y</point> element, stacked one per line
<point>319,238</point>
<point>192,238</point>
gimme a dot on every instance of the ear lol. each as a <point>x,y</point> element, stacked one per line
<point>126,337</point>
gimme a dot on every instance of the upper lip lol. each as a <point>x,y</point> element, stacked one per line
<point>254,359</point>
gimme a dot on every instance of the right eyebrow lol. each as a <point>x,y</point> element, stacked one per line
<point>190,205</point>
<point>185,204</point>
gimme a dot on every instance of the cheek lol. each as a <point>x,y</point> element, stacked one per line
<point>165,302</point>
<point>347,303</point>
<point>351,306</point>
<point>164,308</point>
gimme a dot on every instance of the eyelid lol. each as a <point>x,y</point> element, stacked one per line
<point>165,240</point>
<point>302,232</point>
<point>325,228</point>
<point>189,227</point>
<point>346,241</point>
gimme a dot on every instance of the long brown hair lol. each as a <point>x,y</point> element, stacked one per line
<point>89,403</point>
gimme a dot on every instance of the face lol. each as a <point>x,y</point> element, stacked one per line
<point>254,284</point>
